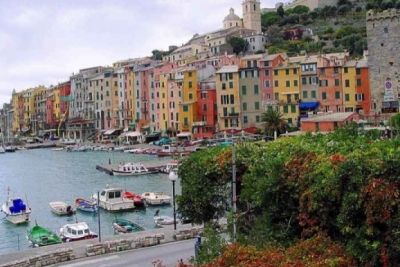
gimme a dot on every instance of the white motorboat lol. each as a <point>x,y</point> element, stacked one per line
<point>58,149</point>
<point>17,212</point>
<point>2,150</point>
<point>75,232</point>
<point>171,166</point>
<point>161,220</point>
<point>129,169</point>
<point>156,198</point>
<point>61,208</point>
<point>112,199</point>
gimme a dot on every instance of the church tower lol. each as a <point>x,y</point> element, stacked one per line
<point>252,15</point>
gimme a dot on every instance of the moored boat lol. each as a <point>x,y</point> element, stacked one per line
<point>112,199</point>
<point>156,198</point>
<point>40,236</point>
<point>85,205</point>
<point>137,199</point>
<point>130,169</point>
<point>61,208</point>
<point>17,212</point>
<point>75,232</point>
<point>10,149</point>
<point>161,220</point>
<point>125,226</point>
<point>2,150</point>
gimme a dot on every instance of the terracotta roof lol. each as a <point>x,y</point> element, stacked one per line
<point>338,116</point>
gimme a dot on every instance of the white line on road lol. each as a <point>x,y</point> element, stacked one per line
<point>92,261</point>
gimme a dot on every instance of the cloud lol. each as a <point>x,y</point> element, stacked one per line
<point>43,42</point>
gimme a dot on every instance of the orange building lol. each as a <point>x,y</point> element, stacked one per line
<point>327,122</point>
<point>363,90</point>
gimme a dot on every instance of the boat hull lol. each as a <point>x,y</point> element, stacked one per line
<point>40,237</point>
<point>121,173</point>
<point>66,239</point>
<point>18,218</point>
<point>158,202</point>
<point>117,206</point>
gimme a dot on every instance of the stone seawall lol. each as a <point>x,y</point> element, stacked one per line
<point>47,256</point>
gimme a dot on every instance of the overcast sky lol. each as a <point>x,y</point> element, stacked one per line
<point>43,42</point>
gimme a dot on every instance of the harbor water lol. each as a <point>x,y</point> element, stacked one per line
<point>42,176</point>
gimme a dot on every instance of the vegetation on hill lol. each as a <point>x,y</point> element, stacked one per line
<point>329,29</point>
<point>344,186</point>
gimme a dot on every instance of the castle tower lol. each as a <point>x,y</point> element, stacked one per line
<point>383,35</point>
<point>252,15</point>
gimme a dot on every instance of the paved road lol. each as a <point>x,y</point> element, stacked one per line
<point>169,254</point>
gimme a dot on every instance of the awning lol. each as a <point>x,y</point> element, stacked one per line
<point>185,134</point>
<point>131,134</point>
<point>308,105</point>
<point>110,132</point>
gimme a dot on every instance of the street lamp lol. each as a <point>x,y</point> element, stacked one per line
<point>173,176</point>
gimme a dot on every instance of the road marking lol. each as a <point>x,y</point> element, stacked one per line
<point>92,261</point>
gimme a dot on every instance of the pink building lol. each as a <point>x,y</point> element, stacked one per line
<point>266,66</point>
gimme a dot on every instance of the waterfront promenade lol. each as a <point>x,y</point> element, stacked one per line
<point>109,245</point>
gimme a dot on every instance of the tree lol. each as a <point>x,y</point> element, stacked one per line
<point>238,44</point>
<point>280,11</point>
<point>301,9</point>
<point>268,19</point>
<point>395,124</point>
<point>273,121</point>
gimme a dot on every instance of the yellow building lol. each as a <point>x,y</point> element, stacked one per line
<point>227,85</point>
<point>188,108</point>
<point>349,86</point>
<point>131,100</point>
<point>286,86</point>
<point>17,102</point>
<point>115,123</point>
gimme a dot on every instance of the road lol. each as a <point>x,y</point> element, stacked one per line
<point>168,254</point>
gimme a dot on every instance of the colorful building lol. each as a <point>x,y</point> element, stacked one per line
<point>188,107</point>
<point>267,65</point>
<point>205,125</point>
<point>349,86</point>
<point>363,89</point>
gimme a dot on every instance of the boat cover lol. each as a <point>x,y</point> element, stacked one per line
<point>18,206</point>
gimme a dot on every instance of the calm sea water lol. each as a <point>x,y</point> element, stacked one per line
<point>42,176</point>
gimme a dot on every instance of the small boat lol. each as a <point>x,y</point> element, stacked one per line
<point>161,220</point>
<point>16,210</point>
<point>171,166</point>
<point>2,150</point>
<point>40,236</point>
<point>130,169</point>
<point>10,149</point>
<point>126,226</point>
<point>156,198</point>
<point>61,208</point>
<point>112,199</point>
<point>58,149</point>
<point>137,199</point>
<point>75,232</point>
<point>85,205</point>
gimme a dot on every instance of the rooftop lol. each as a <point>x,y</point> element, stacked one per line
<point>228,69</point>
<point>334,117</point>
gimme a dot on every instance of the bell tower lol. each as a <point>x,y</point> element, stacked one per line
<point>252,15</point>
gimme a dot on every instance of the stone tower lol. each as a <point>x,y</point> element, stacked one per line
<point>252,15</point>
<point>383,33</point>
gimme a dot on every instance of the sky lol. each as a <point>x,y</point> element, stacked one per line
<point>44,42</point>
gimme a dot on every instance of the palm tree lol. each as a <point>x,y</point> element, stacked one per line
<point>273,121</point>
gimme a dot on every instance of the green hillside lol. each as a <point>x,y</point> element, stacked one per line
<point>334,29</point>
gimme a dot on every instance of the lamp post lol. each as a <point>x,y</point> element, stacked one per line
<point>172,176</point>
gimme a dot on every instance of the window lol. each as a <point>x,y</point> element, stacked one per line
<point>257,105</point>
<point>185,108</point>
<point>223,86</point>
<point>276,96</point>
<point>287,71</point>
<point>226,123</point>
<point>257,118</point>
<point>294,71</point>
<point>276,84</point>
<point>336,70</point>
<point>267,84</point>
<point>385,30</point>
<point>313,94</point>
<point>358,71</point>
<point>337,95</point>
<point>230,75</point>
<point>337,82</point>
<point>276,72</point>
<point>324,95</point>
<point>244,90</point>
<point>347,83</point>
<point>266,63</point>
<point>287,83</point>
<point>293,108</point>
<point>190,83</point>
<point>245,119</point>
<point>230,85</point>
<point>347,97</point>
<point>286,109</point>
<point>295,83</point>
<point>305,94</point>
<point>266,72</point>
<point>225,110</point>
<point>185,121</point>
<point>304,80</point>
<point>244,106</point>
<point>190,96</point>
<point>346,70</point>
<point>358,82</point>
<point>256,89</point>
<point>190,74</point>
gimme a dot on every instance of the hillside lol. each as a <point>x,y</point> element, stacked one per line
<point>330,29</point>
